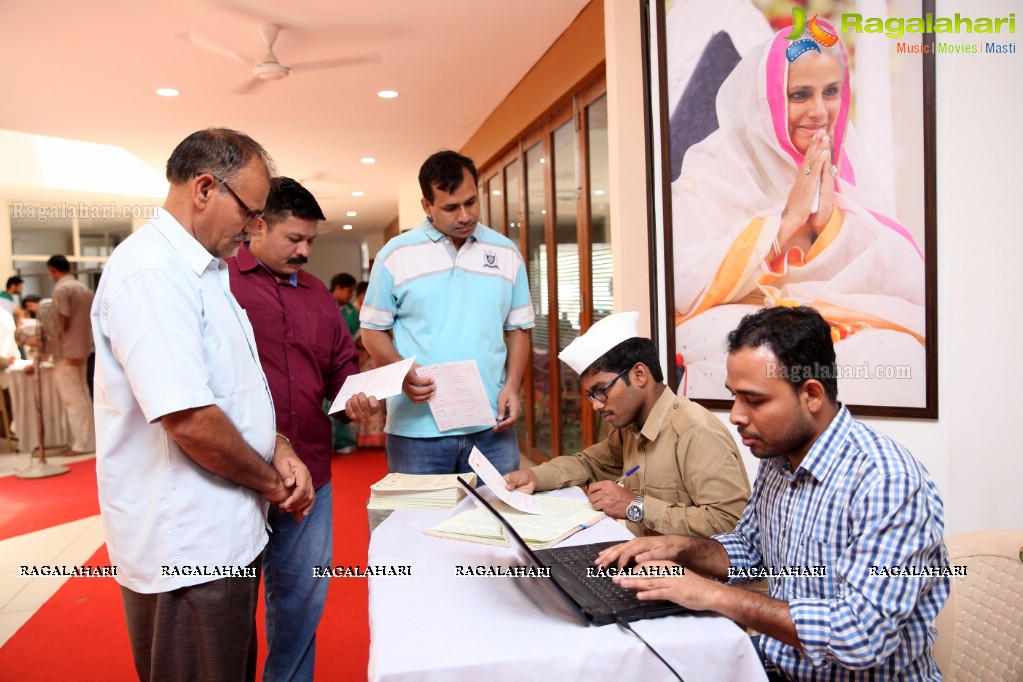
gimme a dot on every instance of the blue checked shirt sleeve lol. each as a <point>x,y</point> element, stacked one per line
<point>896,523</point>
<point>743,544</point>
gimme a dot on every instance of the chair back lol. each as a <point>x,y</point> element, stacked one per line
<point>980,628</point>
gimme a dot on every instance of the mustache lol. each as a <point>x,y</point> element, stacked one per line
<point>298,260</point>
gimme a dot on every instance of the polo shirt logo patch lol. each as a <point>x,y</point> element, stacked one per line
<point>490,260</point>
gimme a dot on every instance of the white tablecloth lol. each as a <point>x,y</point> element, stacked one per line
<point>23,410</point>
<point>433,625</point>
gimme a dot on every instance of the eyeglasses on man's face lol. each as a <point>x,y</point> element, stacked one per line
<point>250,215</point>
<point>599,395</point>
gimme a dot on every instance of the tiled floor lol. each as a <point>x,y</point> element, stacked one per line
<point>69,544</point>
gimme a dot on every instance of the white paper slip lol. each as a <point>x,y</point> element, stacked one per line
<point>460,399</point>
<point>493,478</point>
<point>379,383</point>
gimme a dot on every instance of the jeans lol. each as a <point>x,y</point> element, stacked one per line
<point>294,598</point>
<point>450,454</point>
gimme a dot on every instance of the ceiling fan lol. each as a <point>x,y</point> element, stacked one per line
<point>269,68</point>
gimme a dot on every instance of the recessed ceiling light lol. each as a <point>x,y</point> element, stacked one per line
<point>346,227</point>
<point>358,194</point>
<point>496,192</point>
<point>599,192</point>
<point>368,160</point>
<point>351,214</point>
<point>167,92</point>
<point>387,94</point>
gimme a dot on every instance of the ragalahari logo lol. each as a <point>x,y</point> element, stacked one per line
<point>818,35</point>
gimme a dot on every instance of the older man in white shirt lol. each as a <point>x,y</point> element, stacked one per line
<point>187,456</point>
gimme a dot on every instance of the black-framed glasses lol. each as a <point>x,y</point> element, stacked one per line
<point>600,394</point>
<point>250,215</point>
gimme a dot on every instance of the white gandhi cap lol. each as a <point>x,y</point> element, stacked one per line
<point>599,339</point>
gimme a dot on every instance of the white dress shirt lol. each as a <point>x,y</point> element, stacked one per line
<point>170,336</point>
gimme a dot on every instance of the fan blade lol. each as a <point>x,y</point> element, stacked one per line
<point>249,87</point>
<point>334,63</point>
<point>267,12</point>
<point>205,42</point>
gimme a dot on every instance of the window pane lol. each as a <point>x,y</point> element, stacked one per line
<point>537,258</point>
<point>512,190</point>
<point>566,193</point>
<point>495,204</point>
<point>600,225</point>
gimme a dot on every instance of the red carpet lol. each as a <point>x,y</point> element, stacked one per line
<point>31,504</point>
<point>79,634</point>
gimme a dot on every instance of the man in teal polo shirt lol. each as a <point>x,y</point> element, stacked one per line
<point>450,289</point>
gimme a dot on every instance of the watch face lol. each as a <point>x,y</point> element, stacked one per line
<point>634,512</point>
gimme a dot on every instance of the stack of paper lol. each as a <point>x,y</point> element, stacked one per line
<point>558,518</point>
<point>409,491</point>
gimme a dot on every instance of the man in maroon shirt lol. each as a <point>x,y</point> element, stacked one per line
<point>307,353</point>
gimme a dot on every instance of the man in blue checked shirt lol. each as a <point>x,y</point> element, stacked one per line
<point>836,506</point>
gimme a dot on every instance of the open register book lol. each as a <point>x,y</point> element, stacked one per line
<point>559,518</point>
<point>410,491</point>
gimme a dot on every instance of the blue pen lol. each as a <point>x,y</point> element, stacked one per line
<point>628,473</point>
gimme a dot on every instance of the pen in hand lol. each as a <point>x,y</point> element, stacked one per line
<point>628,473</point>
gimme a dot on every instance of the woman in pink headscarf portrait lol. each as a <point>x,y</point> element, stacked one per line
<point>778,207</point>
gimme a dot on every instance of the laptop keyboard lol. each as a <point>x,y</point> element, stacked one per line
<point>575,561</point>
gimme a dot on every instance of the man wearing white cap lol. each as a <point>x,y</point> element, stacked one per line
<point>689,479</point>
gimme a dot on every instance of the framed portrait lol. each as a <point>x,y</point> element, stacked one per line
<point>794,164</point>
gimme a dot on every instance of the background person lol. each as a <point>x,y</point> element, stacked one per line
<point>7,297</point>
<point>342,287</point>
<point>73,301</point>
<point>690,478</point>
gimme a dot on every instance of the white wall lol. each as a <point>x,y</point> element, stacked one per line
<point>335,253</point>
<point>973,450</point>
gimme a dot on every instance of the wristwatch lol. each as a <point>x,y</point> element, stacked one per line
<point>634,512</point>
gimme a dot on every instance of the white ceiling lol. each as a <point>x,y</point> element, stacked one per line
<point>88,71</point>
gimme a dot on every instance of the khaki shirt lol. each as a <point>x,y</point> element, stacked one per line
<point>690,471</point>
<point>73,300</point>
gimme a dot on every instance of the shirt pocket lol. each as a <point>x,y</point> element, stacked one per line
<point>816,561</point>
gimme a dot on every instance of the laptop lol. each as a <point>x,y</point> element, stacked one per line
<point>593,599</point>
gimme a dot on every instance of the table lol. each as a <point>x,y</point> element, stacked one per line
<point>433,625</point>
<point>23,388</point>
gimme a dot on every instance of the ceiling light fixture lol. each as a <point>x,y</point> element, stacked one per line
<point>167,92</point>
<point>346,227</point>
<point>351,214</point>
<point>367,160</point>
<point>387,94</point>
<point>358,194</point>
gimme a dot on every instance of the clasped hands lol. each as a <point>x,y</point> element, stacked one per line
<point>817,170</point>
<point>294,491</point>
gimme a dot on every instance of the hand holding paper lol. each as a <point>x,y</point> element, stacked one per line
<point>493,478</point>
<point>459,399</point>
<point>379,383</point>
